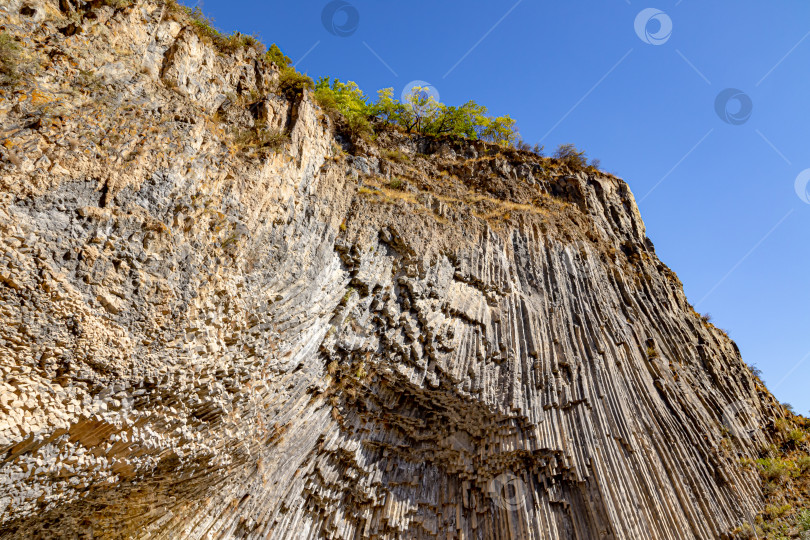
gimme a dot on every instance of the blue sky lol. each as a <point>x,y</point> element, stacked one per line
<point>716,184</point>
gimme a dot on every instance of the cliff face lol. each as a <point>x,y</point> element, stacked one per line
<point>407,338</point>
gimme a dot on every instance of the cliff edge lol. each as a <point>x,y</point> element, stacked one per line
<point>208,334</point>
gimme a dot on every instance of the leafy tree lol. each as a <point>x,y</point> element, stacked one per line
<point>277,57</point>
<point>346,99</point>
<point>387,110</point>
<point>500,130</point>
<point>459,121</point>
<point>419,113</point>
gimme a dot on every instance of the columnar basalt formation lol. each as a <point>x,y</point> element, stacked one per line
<point>204,340</point>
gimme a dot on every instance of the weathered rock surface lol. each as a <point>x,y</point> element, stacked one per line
<point>198,342</point>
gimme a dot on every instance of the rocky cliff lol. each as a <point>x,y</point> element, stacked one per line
<point>207,337</point>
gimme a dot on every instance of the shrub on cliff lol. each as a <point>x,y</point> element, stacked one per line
<point>205,29</point>
<point>292,84</point>
<point>277,57</point>
<point>347,100</point>
<point>419,112</point>
<point>500,130</point>
<point>260,140</point>
<point>570,155</point>
<point>523,146</point>
<point>9,60</point>
<point>118,4</point>
<point>468,120</point>
<point>803,521</point>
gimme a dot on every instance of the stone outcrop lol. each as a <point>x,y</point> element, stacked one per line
<point>411,338</point>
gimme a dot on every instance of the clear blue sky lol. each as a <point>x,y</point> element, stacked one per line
<point>724,212</point>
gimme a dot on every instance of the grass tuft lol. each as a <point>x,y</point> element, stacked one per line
<point>9,60</point>
<point>260,139</point>
<point>205,29</point>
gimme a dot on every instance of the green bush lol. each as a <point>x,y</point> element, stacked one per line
<point>803,520</point>
<point>347,100</point>
<point>796,436</point>
<point>775,469</point>
<point>421,113</point>
<point>293,84</point>
<point>359,126</point>
<point>500,130</point>
<point>277,57</point>
<point>387,111</point>
<point>9,60</point>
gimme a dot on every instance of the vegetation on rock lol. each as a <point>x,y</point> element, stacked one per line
<point>418,113</point>
<point>195,291</point>
<point>204,26</point>
<point>784,469</point>
<point>9,59</point>
<point>260,139</point>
